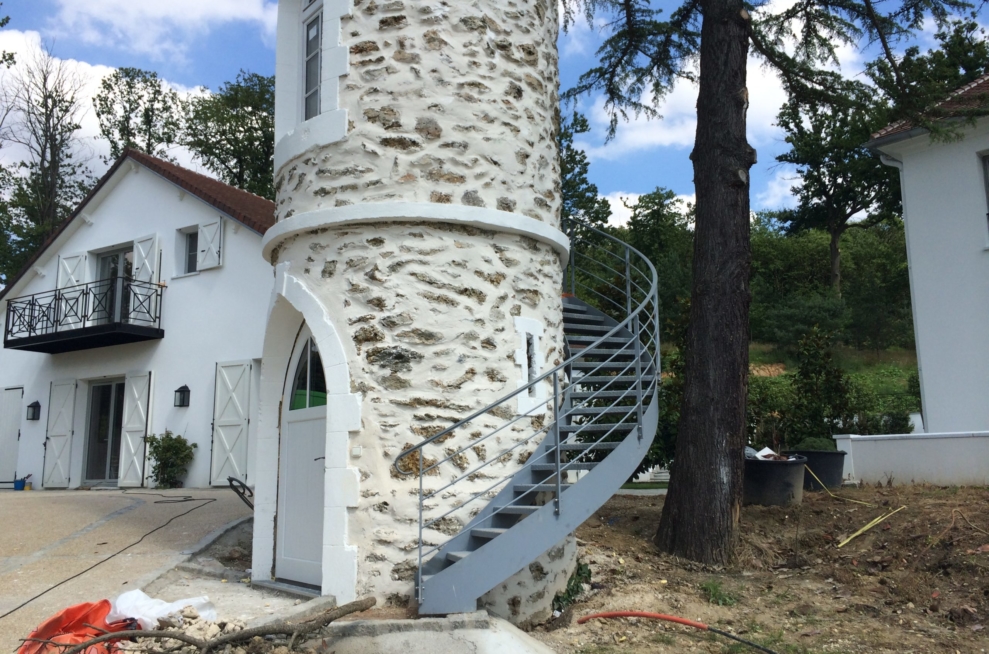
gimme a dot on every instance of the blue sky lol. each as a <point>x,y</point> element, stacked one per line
<point>206,42</point>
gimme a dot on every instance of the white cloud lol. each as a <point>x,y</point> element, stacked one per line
<point>621,214</point>
<point>156,28</point>
<point>778,193</point>
<point>93,148</point>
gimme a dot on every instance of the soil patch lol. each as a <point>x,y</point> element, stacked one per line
<point>918,582</point>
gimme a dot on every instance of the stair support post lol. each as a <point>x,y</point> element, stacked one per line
<point>572,234</point>
<point>419,589</point>
<point>628,287</point>
<point>556,437</point>
<point>636,333</point>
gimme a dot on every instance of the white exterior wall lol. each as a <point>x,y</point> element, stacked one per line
<point>945,210</point>
<point>214,316</point>
<point>951,459</point>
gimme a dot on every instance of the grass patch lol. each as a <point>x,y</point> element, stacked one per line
<point>716,594</point>
<point>646,485</point>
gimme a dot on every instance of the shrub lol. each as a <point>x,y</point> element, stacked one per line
<point>822,391</point>
<point>170,456</point>
<point>769,409</point>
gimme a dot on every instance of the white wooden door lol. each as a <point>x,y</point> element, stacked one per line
<point>302,464</point>
<point>58,443</point>
<point>137,405</point>
<point>142,299</point>
<point>11,406</point>
<point>210,243</point>
<point>231,417</point>
<point>71,300</point>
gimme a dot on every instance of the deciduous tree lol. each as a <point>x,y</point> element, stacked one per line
<point>232,132</point>
<point>137,109</point>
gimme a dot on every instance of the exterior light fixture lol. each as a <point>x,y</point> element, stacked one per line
<point>34,411</point>
<point>182,396</point>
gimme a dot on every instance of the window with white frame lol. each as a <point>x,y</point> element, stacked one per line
<point>191,252</point>
<point>313,22</point>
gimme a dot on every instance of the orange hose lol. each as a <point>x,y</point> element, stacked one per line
<point>643,614</point>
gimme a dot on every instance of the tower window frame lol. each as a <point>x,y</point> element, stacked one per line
<point>312,60</point>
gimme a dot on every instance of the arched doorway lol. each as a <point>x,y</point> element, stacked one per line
<point>302,469</point>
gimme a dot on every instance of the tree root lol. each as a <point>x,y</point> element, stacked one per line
<point>294,630</point>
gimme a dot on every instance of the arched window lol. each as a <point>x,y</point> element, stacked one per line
<point>309,387</point>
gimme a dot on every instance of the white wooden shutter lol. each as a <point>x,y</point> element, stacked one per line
<point>137,400</point>
<point>71,270</point>
<point>11,410</point>
<point>71,301</point>
<point>231,413</point>
<point>146,259</point>
<point>145,269</point>
<point>210,244</point>
<point>58,444</point>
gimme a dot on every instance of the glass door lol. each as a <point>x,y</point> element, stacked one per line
<point>106,420</point>
<point>112,294</point>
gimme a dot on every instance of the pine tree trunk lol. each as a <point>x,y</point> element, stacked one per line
<point>836,261</point>
<point>700,516</point>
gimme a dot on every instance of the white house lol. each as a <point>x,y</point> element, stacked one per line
<point>945,191</point>
<point>154,284</point>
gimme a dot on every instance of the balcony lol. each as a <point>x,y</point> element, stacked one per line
<point>109,312</point>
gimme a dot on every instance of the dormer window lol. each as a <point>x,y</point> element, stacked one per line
<point>313,67</point>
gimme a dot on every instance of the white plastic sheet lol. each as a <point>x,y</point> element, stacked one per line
<point>148,610</point>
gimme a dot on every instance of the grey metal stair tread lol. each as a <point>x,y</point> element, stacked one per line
<point>601,410</point>
<point>592,339</point>
<point>596,395</point>
<point>456,556</point>
<point>583,447</point>
<point>487,532</point>
<point>602,365</point>
<point>603,426</point>
<point>539,488</point>
<point>516,509</point>
<point>602,379</point>
<point>551,467</point>
<point>569,316</point>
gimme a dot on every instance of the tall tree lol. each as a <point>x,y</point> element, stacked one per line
<point>580,196</point>
<point>46,101</point>
<point>136,109</point>
<point>844,185</point>
<point>642,58</point>
<point>6,58</point>
<point>232,132</point>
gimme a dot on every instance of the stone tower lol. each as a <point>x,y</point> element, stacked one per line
<point>418,186</point>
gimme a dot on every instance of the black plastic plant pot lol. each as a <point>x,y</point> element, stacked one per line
<point>828,466</point>
<point>774,483</point>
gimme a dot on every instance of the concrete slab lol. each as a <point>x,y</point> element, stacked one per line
<point>469,633</point>
<point>49,540</point>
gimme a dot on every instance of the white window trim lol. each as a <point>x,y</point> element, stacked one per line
<point>307,16</point>
<point>293,135</point>
<point>538,396</point>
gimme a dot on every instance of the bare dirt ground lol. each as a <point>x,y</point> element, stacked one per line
<point>918,582</point>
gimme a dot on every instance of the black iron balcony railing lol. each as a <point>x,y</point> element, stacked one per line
<point>97,314</point>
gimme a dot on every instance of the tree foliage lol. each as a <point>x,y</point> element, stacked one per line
<point>6,58</point>
<point>42,191</point>
<point>232,132</point>
<point>137,109</point>
<point>647,51</point>
<point>580,197</point>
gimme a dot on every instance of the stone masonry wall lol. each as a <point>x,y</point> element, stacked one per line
<point>449,101</point>
<point>428,313</point>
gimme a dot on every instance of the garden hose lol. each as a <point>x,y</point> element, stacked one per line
<point>672,618</point>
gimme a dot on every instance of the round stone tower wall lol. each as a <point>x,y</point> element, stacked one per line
<point>448,103</point>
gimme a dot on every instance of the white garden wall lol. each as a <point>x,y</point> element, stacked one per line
<point>944,459</point>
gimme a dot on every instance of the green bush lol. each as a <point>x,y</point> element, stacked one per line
<point>170,456</point>
<point>770,405</point>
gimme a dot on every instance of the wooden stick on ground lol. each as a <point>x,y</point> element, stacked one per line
<point>276,628</point>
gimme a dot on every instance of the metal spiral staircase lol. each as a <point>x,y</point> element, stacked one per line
<point>606,412</point>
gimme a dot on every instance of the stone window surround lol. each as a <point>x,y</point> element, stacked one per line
<point>293,135</point>
<point>530,327</point>
<point>291,303</point>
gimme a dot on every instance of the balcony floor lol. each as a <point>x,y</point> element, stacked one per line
<point>85,338</point>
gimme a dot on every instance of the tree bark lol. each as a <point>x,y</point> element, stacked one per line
<point>700,516</point>
<point>836,261</point>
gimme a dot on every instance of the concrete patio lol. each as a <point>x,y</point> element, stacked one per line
<point>50,536</point>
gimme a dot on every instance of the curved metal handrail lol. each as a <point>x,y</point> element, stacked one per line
<point>622,371</point>
<point>623,325</point>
